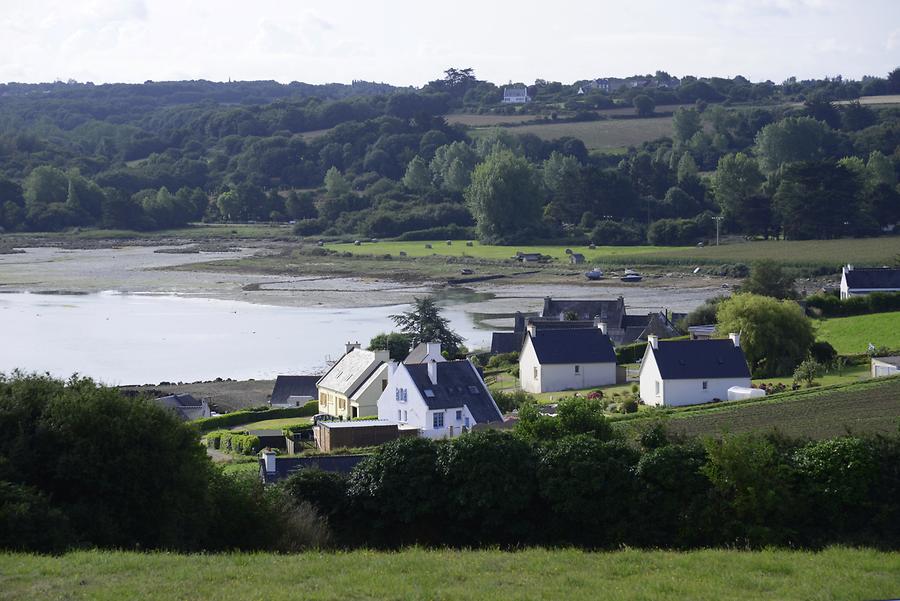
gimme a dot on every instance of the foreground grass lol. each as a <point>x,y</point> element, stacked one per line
<point>852,335</point>
<point>835,573</point>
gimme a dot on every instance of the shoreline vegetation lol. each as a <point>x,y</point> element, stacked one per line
<point>417,573</point>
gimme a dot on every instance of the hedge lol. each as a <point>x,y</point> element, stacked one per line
<point>237,418</point>
<point>630,353</point>
<point>238,443</point>
<point>830,305</point>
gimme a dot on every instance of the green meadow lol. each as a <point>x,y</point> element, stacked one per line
<point>852,335</point>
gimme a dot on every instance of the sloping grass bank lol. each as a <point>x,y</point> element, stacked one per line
<point>712,575</point>
<point>852,335</point>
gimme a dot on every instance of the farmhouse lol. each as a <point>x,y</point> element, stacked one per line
<point>516,95</point>
<point>885,366</point>
<point>439,399</point>
<point>620,327</point>
<point>856,281</point>
<point>185,406</point>
<point>566,359</point>
<point>293,391</point>
<point>351,387</point>
<point>691,372</point>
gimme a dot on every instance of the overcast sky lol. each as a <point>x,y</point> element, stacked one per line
<point>408,42</point>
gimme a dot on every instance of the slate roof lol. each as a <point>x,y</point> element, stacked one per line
<point>458,385</point>
<point>584,345</point>
<point>610,311</point>
<point>185,406</point>
<point>418,354</point>
<point>288,386</point>
<point>868,278</point>
<point>349,372</point>
<point>695,359</point>
<point>506,342</point>
<point>285,466</point>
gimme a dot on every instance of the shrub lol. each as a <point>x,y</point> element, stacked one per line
<point>503,359</point>
<point>830,305</point>
<point>822,352</point>
<point>509,401</point>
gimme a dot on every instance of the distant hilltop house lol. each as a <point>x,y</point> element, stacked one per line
<point>516,95</point>
<point>691,372</point>
<point>351,387</point>
<point>566,359</point>
<point>439,399</point>
<point>613,84</point>
<point>185,406</point>
<point>293,391</point>
<point>856,281</point>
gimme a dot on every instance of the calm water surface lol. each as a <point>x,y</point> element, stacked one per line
<point>141,338</point>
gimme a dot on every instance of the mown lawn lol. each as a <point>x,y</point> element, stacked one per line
<point>852,335</point>
<point>273,424</point>
<point>848,375</point>
<point>709,575</point>
<point>458,248</point>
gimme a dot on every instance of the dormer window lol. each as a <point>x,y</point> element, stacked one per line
<point>429,393</point>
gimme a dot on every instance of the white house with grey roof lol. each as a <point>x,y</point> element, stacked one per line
<point>185,406</point>
<point>440,399</point>
<point>692,372</point>
<point>517,95</point>
<point>856,281</point>
<point>351,387</point>
<point>566,359</point>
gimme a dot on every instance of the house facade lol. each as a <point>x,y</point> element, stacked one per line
<point>516,95</point>
<point>439,399</point>
<point>691,372</point>
<point>865,280</point>
<point>566,359</point>
<point>351,387</point>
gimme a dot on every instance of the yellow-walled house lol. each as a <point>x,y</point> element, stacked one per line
<point>353,384</point>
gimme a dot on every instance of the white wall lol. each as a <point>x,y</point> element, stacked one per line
<point>677,393</point>
<point>879,369</point>
<point>415,410</point>
<point>552,378</point>
<point>649,376</point>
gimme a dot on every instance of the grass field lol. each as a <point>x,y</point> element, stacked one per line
<point>865,407</point>
<point>483,251</point>
<point>709,575</point>
<point>852,335</point>
<point>802,253</point>
<point>487,120</point>
<point>870,100</point>
<point>273,424</point>
<point>597,135</point>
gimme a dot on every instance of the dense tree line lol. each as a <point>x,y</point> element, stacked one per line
<point>570,480</point>
<point>383,162</point>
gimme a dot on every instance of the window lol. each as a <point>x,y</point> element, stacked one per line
<point>438,420</point>
<point>429,393</point>
<point>705,384</point>
<point>657,388</point>
<point>400,395</point>
<point>399,415</point>
<point>535,373</point>
<point>405,416</point>
<point>459,415</point>
<point>577,369</point>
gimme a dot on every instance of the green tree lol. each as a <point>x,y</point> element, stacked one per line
<point>643,105</point>
<point>230,205</point>
<point>685,123</point>
<point>775,335</point>
<point>504,198</point>
<point>768,278</point>
<point>300,206</point>
<point>791,140</point>
<point>417,177</point>
<point>808,370</point>
<point>452,166</point>
<point>687,168</point>
<point>397,344</point>
<point>45,185</point>
<point>819,200</point>
<point>737,182</point>
<point>880,170</point>
<point>424,323</point>
<point>335,183</point>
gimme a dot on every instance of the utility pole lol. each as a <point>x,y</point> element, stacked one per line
<point>718,219</point>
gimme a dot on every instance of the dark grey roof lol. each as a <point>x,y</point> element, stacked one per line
<point>288,386</point>
<point>458,385</point>
<point>285,466</point>
<point>610,311</point>
<point>418,354</point>
<point>179,400</point>
<point>868,278</point>
<point>584,345</point>
<point>506,342</point>
<point>895,361</point>
<point>692,359</point>
<point>266,433</point>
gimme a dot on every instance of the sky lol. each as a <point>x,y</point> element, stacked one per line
<point>410,42</point>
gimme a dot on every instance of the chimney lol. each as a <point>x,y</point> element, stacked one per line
<point>546,311</point>
<point>432,371</point>
<point>735,339</point>
<point>598,323</point>
<point>349,346</point>
<point>532,329</point>
<point>382,356</point>
<point>433,349</point>
<point>519,322</point>
<point>269,460</point>
<point>653,340</point>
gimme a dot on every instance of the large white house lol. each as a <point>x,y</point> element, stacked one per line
<point>691,372</point>
<point>516,95</point>
<point>440,399</point>
<point>865,280</point>
<point>351,387</point>
<point>566,359</point>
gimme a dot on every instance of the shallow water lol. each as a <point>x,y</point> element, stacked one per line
<point>147,338</point>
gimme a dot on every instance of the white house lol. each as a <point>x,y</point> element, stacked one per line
<point>351,387</point>
<point>440,399</point>
<point>185,406</point>
<point>885,366</point>
<point>857,281</point>
<point>566,359</point>
<point>516,95</point>
<point>691,372</point>
<point>425,352</point>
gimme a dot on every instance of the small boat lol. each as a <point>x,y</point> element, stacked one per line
<point>631,272</point>
<point>631,276</point>
<point>594,274</point>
